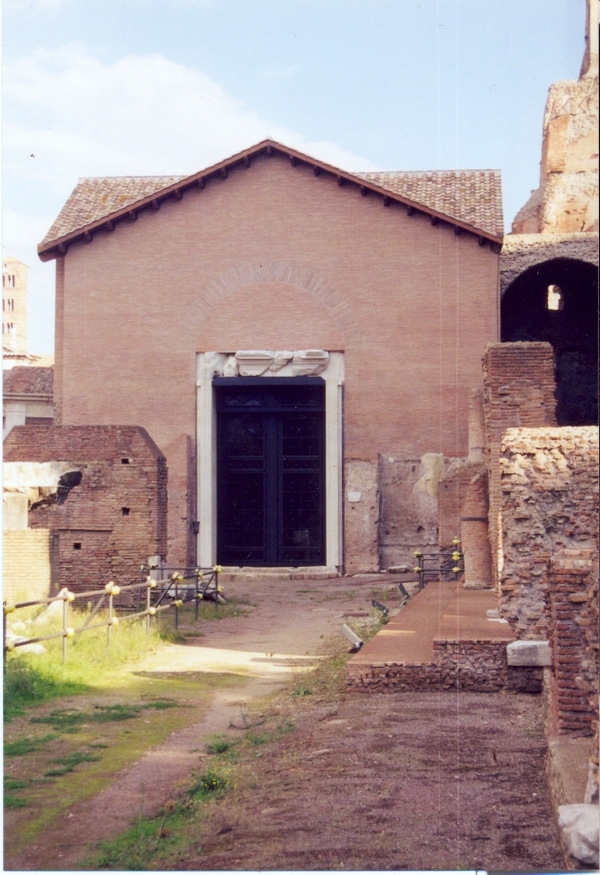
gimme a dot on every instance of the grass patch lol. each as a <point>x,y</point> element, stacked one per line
<point>132,851</point>
<point>69,719</point>
<point>34,679</point>
<point>11,801</point>
<point>110,713</point>
<point>23,746</point>
<point>14,783</point>
<point>161,704</point>
<point>78,756</point>
<point>26,684</point>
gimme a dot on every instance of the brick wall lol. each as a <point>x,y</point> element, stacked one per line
<point>549,495</point>
<point>518,391</point>
<point>117,516</point>
<point>29,564</point>
<point>573,637</point>
<point>411,305</point>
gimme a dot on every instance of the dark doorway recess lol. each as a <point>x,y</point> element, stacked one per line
<point>557,302</point>
<point>270,471</point>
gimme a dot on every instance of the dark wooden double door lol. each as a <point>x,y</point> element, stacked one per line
<point>270,471</point>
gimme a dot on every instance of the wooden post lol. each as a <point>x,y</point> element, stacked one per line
<point>65,615</point>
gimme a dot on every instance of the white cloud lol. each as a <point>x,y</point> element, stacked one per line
<point>67,114</point>
<point>140,115</point>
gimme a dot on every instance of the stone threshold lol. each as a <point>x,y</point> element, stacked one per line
<point>231,574</point>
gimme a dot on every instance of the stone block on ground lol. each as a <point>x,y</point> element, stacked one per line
<point>580,829</point>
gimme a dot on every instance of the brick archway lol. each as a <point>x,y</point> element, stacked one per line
<point>251,273</point>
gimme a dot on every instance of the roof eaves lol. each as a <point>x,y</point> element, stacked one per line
<point>59,246</point>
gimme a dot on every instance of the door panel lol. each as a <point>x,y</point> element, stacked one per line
<point>270,480</point>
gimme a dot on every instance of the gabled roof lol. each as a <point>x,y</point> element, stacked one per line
<point>28,381</point>
<point>468,200</point>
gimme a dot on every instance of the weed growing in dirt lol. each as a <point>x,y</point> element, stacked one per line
<point>133,850</point>
<point>302,691</point>
<point>151,840</point>
<point>23,746</point>
<point>211,782</point>
<point>268,736</point>
<point>220,744</point>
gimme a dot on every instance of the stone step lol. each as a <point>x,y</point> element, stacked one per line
<point>232,574</point>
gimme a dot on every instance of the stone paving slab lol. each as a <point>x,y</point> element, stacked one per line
<point>441,611</point>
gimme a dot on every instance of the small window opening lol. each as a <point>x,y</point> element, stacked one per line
<point>125,511</point>
<point>556,300</point>
<point>124,461</point>
<point>77,545</point>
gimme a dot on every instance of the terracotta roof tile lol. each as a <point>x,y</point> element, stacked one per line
<point>471,196</point>
<point>95,197</point>
<point>28,381</point>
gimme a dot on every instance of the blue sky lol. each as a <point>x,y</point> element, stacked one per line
<point>135,87</point>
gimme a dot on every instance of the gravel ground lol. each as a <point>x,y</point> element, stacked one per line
<point>421,781</point>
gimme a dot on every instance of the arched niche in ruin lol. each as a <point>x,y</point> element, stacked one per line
<point>557,301</point>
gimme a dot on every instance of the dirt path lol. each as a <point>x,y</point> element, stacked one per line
<point>284,625</point>
<point>439,781</point>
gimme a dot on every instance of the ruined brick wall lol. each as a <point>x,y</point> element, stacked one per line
<point>476,666</point>
<point>573,637</point>
<point>117,516</point>
<point>518,391</point>
<point>549,490</point>
<point>29,564</point>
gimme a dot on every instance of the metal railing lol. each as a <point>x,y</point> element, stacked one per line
<point>153,597</point>
<point>422,569</point>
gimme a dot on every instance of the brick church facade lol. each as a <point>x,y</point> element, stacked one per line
<point>300,342</point>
